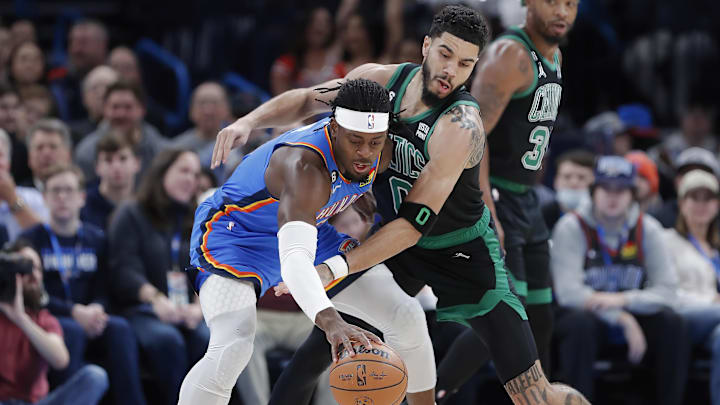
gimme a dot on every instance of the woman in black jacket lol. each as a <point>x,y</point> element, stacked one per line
<point>149,244</point>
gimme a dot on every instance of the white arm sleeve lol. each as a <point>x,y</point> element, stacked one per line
<point>297,243</point>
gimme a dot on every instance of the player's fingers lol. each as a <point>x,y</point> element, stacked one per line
<point>363,339</point>
<point>227,147</point>
<point>334,350</point>
<point>215,162</point>
<point>375,338</point>
<point>348,346</point>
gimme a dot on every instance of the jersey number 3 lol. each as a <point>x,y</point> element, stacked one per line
<point>539,137</point>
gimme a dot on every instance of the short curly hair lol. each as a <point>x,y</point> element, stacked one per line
<point>462,22</point>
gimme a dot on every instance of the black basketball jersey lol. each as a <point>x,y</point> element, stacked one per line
<point>520,139</point>
<point>464,206</point>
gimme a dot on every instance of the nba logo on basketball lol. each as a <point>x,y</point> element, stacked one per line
<point>371,121</point>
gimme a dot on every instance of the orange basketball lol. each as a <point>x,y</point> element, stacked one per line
<point>374,376</point>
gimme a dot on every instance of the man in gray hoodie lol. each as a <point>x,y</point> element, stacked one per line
<point>614,281</point>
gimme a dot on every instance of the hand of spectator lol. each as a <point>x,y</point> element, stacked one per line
<point>165,310</point>
<point>100,318</point>
<point>15,310</point>
<point>637,345</point>
<point>192,315</point>
<point>91,318</point>
<point>7,188</point>
<point>229,138</point>
<point>604,300</point>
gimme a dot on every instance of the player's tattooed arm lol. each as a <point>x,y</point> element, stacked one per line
<point>468,118</point>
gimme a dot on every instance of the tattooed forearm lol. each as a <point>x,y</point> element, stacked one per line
<point>467,118</point>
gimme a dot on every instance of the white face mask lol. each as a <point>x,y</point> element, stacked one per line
<point>570,199</point>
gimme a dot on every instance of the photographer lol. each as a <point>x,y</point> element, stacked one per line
<point>32,340</point>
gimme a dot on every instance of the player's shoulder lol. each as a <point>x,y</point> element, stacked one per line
<point>506,49</point>
<point>374,71</point>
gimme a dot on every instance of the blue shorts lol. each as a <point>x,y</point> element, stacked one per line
<point>222,244</point>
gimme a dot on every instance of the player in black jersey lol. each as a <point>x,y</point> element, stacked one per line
<point>518,85</point>
<point>432,206</point>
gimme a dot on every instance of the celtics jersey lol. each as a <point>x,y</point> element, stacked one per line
<point>464,206</point>
<point>520,139</point>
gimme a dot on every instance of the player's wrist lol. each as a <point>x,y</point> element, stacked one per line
<point>338,266</point>
<point>326,318</point>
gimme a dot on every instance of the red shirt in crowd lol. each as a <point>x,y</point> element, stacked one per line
<point>23,372</point>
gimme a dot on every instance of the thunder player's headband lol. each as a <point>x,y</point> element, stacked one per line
<point>358,121</point>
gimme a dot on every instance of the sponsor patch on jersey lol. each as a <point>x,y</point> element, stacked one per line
<point>348,245</point>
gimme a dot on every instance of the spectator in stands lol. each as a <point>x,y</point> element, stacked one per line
<point>27,66</point>
<point>408,50</point>
<point>123,110</point>
<point>613,274</point>
<point>116,165</point>
<point>87,48</point>
<point>696,130</point>
<point>312,59</point>
<point>31,340</point>
<point>693,246</point>
<point>689,159</point>
<point>206,181</point>
<point>647,181</point>
<point>365,39</point>
<point>5,49</point>
<point>20,207</point>
<point>573,178</point>
<point>149,241</point>
<point>125,62</point>
<point>49,144</point>
<point>94,87</point>
<point>210,112</point>
<point>11,117</point>
<point>37,102</point>
<point>22,31</point>
<point>74,257</point>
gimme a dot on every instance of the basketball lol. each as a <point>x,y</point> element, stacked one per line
<point>374,376</point>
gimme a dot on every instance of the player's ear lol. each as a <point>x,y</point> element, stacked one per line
<point>426,46</point>
<point>333,127</point>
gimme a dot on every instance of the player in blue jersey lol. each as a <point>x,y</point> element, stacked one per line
<point>268,223</point>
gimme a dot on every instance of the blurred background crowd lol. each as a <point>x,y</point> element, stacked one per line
<point>108,115</point>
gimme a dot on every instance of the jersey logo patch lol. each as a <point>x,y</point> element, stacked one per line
<point>422,131</point>
<point>541,71</point>
<point>230,225</point>
<point>335,188</point>
<point>347,245</point>
<point>460,255</point>
<point>392,95</point>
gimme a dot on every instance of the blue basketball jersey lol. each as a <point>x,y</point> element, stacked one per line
<point>235,231</point>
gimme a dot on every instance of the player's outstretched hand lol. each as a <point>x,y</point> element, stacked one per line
<point>228,139</point>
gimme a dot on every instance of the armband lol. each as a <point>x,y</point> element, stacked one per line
<point>420,216</point>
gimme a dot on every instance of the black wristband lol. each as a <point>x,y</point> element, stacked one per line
<point>420,216</point>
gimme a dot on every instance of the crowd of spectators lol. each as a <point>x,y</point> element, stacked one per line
<point>98,190</point>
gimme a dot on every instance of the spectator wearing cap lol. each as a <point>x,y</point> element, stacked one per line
<point>572,182</point>
<point>124,111</point>
<point>647,182</point>
<point>613,279</point>
<point>689,159</point>
<point>693,246</point>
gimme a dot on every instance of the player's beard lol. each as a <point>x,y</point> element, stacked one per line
<point>428,97</point>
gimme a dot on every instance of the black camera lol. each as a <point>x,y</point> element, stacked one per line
<point>10,265</point>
